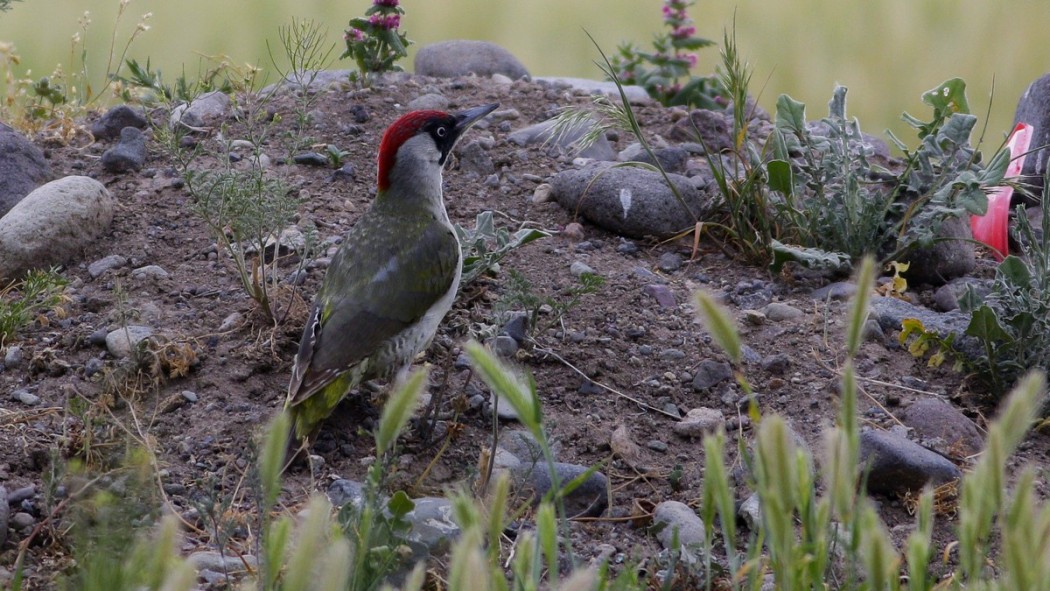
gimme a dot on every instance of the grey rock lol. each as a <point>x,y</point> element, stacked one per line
<point>22,168</point>
<point>129,154</point>
<point>22,520</point>
<point>5,514</point>
<point>524,446</point>
<point>674,518</point>
<point>629,201</point>
<point>93,366</point>
<point>450,59</point>
<point>209,109</point>
<point>699,422</point>
<point>544,132</point>
<point>149,272</point>
<point>932,418</point>
<point>504,409</point>
<point>669,262</point>
<point>106,263</point>
<point>232,321</point>
<point>433,527</point>
<point>779,312</point>
<point>25,397</point>
<point>952,256</point>
<point>900,465</point>
<point>635,94</point>
<point>891,312</point>
<point>504,346</point>
<point>661,293</point>
<point>839,290</point>
<point>430,101</point>
<point>53,224</point>
<point>475,159</point>
<point>589,499</point>
<point>13,357</point>
<point>712,129</point>
<point>657,445</point>
<point>946,297</point>
<point>311,81</point>
<point>122,341</point>
<point>213,561</point>
<point>751,511</point>
<point>1034,108</point>
<point>710,373</point>
<point>310,159</point>
<point>343,491</point>
<point>776,364</point>
<point>579,268</point>
<point>671,159</point>
<point>18,495</point>
<point>517,327</point>
<point>116,119</point>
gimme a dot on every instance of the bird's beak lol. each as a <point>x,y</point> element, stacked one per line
<point>464,119</point>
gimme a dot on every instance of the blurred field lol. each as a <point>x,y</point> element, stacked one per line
<point>886,51</point>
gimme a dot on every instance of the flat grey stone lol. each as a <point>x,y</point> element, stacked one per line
<point>710,373</point>
<point>451,59</point>
<point>779,312</point>
<point>932,418</point>
<point>951,257</point>
<point>566,138</point>
<point>129,154</point>
<point>433,526</point>
<point>107,263</point>
<point>674,518</point>
<point>149,272</point>
<point>699,422</point>
<point>630,201</point>
<point>213,561</point>
<point>114,120</point>
<point>589,499</point>
<point>635,94</point>
<point>343,491</point>
<point>898,465</point>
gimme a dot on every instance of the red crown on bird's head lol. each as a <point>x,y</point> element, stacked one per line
<point>398,133</point>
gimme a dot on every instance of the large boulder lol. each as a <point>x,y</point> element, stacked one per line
<point>22,168</point>
<point>450,59</point>
<point>53,224</point>
<point>1034,108</point>
<point>629,200</point>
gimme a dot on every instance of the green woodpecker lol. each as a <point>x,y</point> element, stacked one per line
<point>393,278</point>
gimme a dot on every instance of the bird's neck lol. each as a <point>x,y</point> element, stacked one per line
<point>414,194</point>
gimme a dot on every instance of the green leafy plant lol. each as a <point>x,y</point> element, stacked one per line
<point>23,300</point>
<point>485,245</point>
<point>1011,322</point>
<point>376,43</point>
<point>519,294</point>
<point>665,71</point>
<point>143,84</point>
<point>834,199</point>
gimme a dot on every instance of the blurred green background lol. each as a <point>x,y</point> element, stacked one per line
<point>886,51</point>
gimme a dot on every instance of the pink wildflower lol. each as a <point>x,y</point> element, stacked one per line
<point>390,3</point>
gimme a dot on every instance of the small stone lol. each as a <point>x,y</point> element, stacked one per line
<point>541,194</point>
<point>589,499</point>
<point>573,231</point>
<point>93,366</point>
<point>13,357</point>
<point>627,247</point>
<point>189,395</point>
<point>209,560</point>
<point>343,491</point>
<point>129,154</point>
<point>149,272</point>
<point>231,322</point>
<point>504,346</point>
<point>751,511</point>
<point>22,520</point>
<point>840,290</point>
<point>899,465</point>
<point>661,293</point>
<point>711,373</point>
<point>669,262</point>
<point>108,263</point>
<point>430,101</point>
<point>310,159</point>
<point>776,364</point>
<point>779,312</point>
<point>115,120</point>
<point>679,523</point>
<point>121,341</point>
<point>579,268</point>
<point>656,445</point>
<point>699,421</point>
<point>25,397</point>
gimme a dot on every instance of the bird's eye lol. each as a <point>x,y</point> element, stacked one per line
<point>442,131</point>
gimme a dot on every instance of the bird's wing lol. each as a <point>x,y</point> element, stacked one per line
<point>393,282</point>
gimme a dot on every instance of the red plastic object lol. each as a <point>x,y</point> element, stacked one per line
<point>991,228</point>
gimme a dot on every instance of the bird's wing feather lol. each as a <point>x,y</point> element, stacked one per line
<point>395,281</point>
